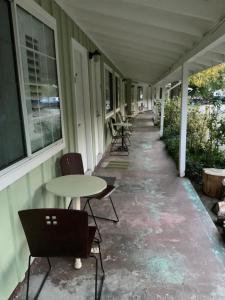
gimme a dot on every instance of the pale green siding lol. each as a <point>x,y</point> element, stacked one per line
<point>29,191</point>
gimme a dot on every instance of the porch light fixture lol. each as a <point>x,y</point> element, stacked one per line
<point>95,53</point>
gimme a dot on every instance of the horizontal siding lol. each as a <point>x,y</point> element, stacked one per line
<point>29,191</point>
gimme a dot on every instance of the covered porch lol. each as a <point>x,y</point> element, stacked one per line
<point>69,68</point>
<point>165,245</point>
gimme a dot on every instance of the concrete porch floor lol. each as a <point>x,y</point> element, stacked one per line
<point>165,245</point>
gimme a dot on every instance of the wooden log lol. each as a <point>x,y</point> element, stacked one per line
<point>212,182</point>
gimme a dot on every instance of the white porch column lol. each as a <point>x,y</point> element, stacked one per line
<point>183,127</point>
<point>162,111</point>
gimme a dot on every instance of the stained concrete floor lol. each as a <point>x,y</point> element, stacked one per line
<point>165,245</point>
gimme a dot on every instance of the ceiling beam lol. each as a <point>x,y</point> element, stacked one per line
<point>130,58</point>
<point>138,42</point>
<point>153,51</point>
<point>216,57</point>
<point>210,42</point>
<point>125,27</point>
<point>139,55</point>
<point>205,10</point>
<point>137,14</point>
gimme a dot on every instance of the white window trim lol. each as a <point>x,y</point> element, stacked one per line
<point>116,75</point>
<point>111,113</point>
<point>24,166</point>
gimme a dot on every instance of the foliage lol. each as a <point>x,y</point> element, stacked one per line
<point>205,137</point>
<point>204,83</point>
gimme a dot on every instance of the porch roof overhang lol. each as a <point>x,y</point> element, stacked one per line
<point>150,40</point>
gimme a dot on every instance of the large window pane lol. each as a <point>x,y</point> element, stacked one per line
<point>41,82</point>
<point>12,145</point>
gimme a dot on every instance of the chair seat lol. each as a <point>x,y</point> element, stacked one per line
<point>109,180</point>
<point>107,191</point>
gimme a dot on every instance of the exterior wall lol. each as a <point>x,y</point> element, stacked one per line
<point>28,191</point>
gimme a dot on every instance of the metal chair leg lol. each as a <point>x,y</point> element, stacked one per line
<point>70,203</point>
<point>100,256</point>
<point>96,277</point>
<point>114,209</point>
<point>42,283</point>
<point>108,219</point>
<point>28,278</point>
<point>93,216</point>
<point>85,205</point>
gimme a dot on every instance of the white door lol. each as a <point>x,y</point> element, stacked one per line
<point>82,105</point>
<point>97,108</point>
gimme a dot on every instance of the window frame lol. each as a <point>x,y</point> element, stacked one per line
<point>31,161</point>
<point>111,113</point>
<point>117,76</point>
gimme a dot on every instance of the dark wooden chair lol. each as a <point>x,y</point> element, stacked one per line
<point>71,163</point>
<point>59,233</point>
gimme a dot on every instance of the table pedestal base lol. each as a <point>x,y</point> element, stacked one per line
<point>77,264</point>
<point>76,205</point>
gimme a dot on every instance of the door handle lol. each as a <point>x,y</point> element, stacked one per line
<point>79,124</point>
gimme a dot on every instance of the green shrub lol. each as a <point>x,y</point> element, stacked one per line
<point>205,136</point>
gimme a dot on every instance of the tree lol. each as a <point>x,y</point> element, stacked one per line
<point>204,83</point>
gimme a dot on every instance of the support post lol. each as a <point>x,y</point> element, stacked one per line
<point>128,95</point>
<point>183,126</point>
<point>162,112</point>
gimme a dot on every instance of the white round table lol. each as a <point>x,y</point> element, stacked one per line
<point>76,186</point>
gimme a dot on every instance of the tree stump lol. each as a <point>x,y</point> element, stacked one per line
<point>212,182</point>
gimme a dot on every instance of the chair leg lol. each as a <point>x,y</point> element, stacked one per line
<point>98,293</point>
<point>93,216</point>
<point>114,209</point>
<point>28,278</point>
<point>70,203</point>
<point>100,256</point>
<point>43,281</point>
<point>107,219</point>
<point>96,277</point>
<point>85,204</point>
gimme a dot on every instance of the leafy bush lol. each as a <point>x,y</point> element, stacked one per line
<point>205,137</point>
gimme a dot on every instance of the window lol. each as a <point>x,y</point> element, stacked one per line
<point>117,85</point>
<point>140,93</point>
<point>40,80</point>
<point>30,114</point>
<point>12,145</point>
<point>108,91</point>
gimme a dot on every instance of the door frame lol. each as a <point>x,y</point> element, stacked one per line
<point>87,103</point>
<point>95,67</point>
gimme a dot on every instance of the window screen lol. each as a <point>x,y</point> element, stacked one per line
<point>12,142</point>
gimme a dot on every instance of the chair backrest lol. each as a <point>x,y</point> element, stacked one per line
<point>56,232</point>
<point>119,116</point>
<point>71,164</point>
<point>112,126</point>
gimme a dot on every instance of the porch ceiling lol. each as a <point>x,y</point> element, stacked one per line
<point>147,39</point>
